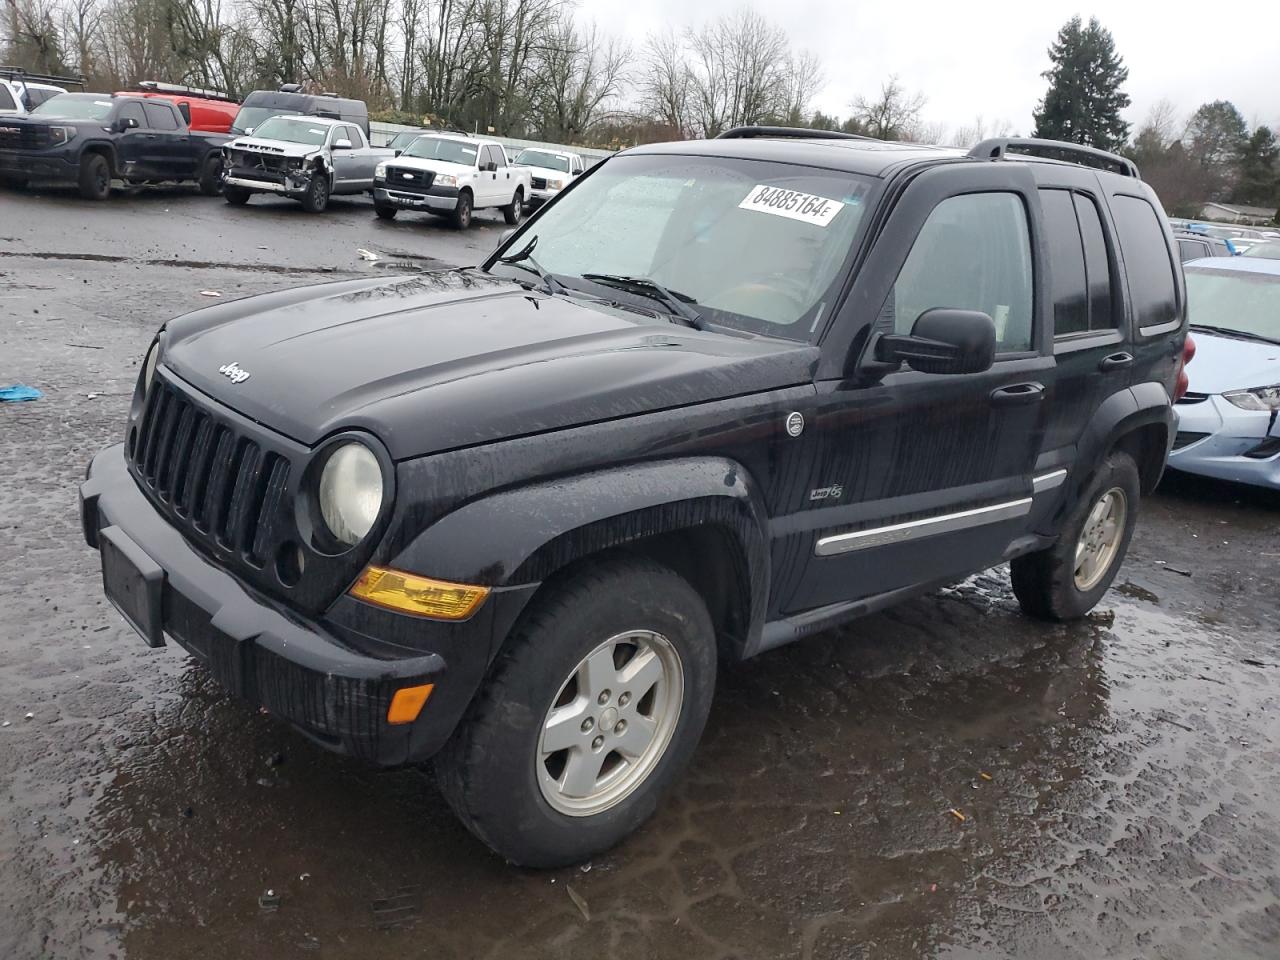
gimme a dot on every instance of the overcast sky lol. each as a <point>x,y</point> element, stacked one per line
<point>986,57</point>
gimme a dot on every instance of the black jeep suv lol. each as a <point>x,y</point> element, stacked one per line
<point>714,398</point>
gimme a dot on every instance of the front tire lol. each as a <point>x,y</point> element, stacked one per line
<point>461,216</point>
<point>236,196</point>
<point>384,212</point>
<point>514,210</point>
<point>317,196</point>
<point>95,177</point>
<point>1067,580</point>
<point>589,713</point>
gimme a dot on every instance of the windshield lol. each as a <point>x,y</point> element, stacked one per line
<point>402,140</point>
<point>75,106</point>
<point>1267,249</point>
<point>1234,300</point>
<point>249,118</point>
<point>753,245</point>
<point>540,158</point>
<point>293,130</point>
<point>441,148</point>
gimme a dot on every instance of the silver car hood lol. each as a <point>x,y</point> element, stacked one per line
<point>274,148</point>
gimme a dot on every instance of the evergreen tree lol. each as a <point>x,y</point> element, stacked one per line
<point>1084,99</point>
<point>1259,170</point>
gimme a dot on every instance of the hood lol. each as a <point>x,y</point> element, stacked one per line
<point>1227,363</point>
<point>433,165</point>
<point>445,360</point>
<point>275,148</point>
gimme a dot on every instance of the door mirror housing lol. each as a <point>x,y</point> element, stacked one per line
<point>343,144</point>
<point>126,123</point>
<point>943,341</point>
<point>396,152</point>
<point>490,167</point>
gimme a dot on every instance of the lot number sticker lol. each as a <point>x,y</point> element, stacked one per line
<point>792,204</point>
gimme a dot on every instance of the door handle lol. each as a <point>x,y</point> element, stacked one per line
<point>1117,361</point>
<point>1017,394</point>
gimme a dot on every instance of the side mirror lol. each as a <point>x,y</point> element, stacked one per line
<point>490,167</point>
<point>396,152</point>
<point>343,144</point>
<point>126,123</point>
<point>248,131</point>
<point>943,341</point>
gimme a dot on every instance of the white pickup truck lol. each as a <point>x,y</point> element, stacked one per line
<point>551,171</point>
<point>306,158</point>
<point>451,174</point>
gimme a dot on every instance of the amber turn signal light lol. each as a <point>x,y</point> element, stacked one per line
<point>409,593</point>
<point>408,703</point>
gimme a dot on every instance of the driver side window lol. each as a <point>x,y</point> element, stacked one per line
<point>973,253</point>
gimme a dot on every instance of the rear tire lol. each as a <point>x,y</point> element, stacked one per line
<point>514,210</point>
<point>628,624</point>
<point>1067,580</point>
<point>317,196</point>
<point>211,176</point>
<point>384,212</point>
<point>236,196</point>
<point>461,216</point>
<point>95,177</point>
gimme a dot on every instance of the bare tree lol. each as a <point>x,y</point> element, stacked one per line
<point>579,73</point>
<point>893,112</point>
<point>665,82</point>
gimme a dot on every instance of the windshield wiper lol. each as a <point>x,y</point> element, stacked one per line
<point>1230,332</point>
<point>523,258</point>
<point>677,303</point>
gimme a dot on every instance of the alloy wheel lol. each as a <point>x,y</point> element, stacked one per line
<point>610,723</point>
<point>1100,539</point>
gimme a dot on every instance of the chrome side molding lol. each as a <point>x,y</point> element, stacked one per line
<point>1047,481</point>
<point>926,527</point>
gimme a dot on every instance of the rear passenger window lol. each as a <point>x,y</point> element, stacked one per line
<point>1097,265</point>
<point>159,116</point>
<point>6,100</point>
<point>973,253</point>
<point>185,110</point>
<point>1152,287</point>
<point>1066,262</point>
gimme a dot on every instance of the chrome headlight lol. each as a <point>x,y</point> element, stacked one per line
<point>555,184</point>
<point>445,180</point>
<point>149,367</point>
<point>350,492</point>
<point>1259,398</point>
<point>61,134</point>
<point>380,171</point>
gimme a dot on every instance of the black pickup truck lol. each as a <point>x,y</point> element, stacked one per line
<point>713,398</point>
<point>90,139</point>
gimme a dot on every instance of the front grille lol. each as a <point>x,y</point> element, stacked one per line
<point>23,137</point>
<point>1184,438</point>
<point>1189,398</point>
<point>258,166</point>
<point>539,183</point>
<point>221,486</point>
<point>401,178</point>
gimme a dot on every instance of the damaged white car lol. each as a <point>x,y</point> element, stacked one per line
<point>307,158</point>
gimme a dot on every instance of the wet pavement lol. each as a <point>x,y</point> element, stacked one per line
<point>947,779</point>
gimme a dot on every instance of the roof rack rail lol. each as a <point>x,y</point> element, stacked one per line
<point>997,148</point>
<point>181,89</point>
<point>799,133</point>
<point>18,73</point>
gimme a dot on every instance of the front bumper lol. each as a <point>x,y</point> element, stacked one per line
<point>292,184</point>
<point>332,678</point>
<point>1214,437</point>
<point>541,195</point>
<point>38,165</point>
<point>444,199</point>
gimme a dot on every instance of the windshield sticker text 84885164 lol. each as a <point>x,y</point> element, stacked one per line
<point>782,202</point>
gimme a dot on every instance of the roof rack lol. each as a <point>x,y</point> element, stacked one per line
<point>17,73</point>
<point>998,147</point>
<point>799,133</point>
<point>157,86</point>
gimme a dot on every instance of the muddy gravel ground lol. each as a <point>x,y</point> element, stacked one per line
<point>948,779</point>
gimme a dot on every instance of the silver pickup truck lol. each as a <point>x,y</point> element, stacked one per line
<point>306,158</point>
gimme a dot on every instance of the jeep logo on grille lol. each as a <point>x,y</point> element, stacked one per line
<point>234,372</point>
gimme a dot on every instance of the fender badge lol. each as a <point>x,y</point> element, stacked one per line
<point>795,423</point>
<point>234,372</point>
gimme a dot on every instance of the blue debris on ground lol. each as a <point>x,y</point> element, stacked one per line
<point>18,393</point>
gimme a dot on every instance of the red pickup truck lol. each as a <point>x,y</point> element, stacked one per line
<point>210,111</point>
